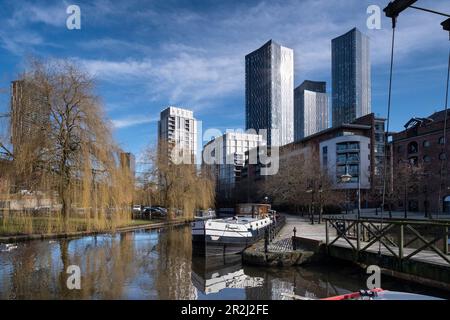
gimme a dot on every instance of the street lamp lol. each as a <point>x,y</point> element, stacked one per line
<point>346,178</point>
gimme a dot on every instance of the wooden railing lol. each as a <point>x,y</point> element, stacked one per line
<point>404,239</point>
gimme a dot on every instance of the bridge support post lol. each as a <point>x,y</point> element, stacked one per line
<point>446,240</point>
<point>358,237</point>
<point>401,240</point>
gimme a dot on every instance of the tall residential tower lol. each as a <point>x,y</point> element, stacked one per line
<point>269,92</point>
<point>310,109</point>
<point>177,127</point>
<point>351,77</point>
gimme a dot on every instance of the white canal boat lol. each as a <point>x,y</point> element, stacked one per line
<point>230,235</point>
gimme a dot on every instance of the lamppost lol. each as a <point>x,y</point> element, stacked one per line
<point>346,178</point>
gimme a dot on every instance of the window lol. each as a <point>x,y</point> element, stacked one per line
<point>341,158</point>
<point>441,140</point>
<point>325,156</point>
<point>442,156</point>
<point>426,143</point>
<point>413,147</point>
<point>426,159</point>
<point>353,157</point>
<point>379,137</point>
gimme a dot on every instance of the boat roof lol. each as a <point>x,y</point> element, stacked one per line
<point>238,219</point>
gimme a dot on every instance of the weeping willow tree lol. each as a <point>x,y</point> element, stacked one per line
<point>182,188</point>
<point>63,148</point>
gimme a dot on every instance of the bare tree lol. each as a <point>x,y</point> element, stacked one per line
<point>181,187</point>
<point>66,146</point>
<point>302,183</point>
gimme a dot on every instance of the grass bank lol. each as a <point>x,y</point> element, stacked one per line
<point>50,228</point>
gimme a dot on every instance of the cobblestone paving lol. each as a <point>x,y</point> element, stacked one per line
<point>281,245</point>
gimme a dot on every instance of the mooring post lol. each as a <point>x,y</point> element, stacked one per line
<point>266,240</point>
<point>327,237</point>
<point>401,242</point>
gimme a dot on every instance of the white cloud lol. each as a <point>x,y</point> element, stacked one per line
<point>131,121</point>
<point>196,57</point>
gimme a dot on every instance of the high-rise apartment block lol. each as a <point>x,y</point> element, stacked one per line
<point>310,109</point>
<point>269,92</point>
<point>351,77</point>
<point>177,128</point>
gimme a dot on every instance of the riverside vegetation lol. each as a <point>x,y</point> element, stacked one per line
<point>63,173</point>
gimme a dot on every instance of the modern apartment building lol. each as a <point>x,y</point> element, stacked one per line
<point>228,152</point>
<point>269,92</point>
<point>310,109</point>
<point>177,133</point>
<point>351,77</point>
<point>350,148</point>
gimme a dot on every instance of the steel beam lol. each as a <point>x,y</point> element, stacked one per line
<point>394,8</point>
<point>446,25</point>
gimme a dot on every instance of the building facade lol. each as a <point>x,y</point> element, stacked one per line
<point>310,109</point>
<point>269,92</point>
<point>349,148</point>
<point>228,153</point>
<point>177,128</point>
<point>128,161</point>
<point>421,149</point>
<point>351,77</point>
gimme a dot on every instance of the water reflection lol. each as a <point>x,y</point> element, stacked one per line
<point>214,274</point>
<point>159,264</point>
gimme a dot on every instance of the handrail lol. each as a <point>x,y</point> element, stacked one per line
<point>382,232</point>
<point>433,222</point>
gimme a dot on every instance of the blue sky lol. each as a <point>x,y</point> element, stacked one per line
<point>146,55</point>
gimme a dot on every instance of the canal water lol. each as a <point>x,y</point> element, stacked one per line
<point>159,264</point>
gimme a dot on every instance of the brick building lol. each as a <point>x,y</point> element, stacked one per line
<point>421,145</point>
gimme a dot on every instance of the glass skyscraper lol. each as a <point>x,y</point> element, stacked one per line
<point>269,92</point>
<point>310,109</point>
<point>351,97</point>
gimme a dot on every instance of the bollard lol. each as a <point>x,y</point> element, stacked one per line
<point>294,243</point>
